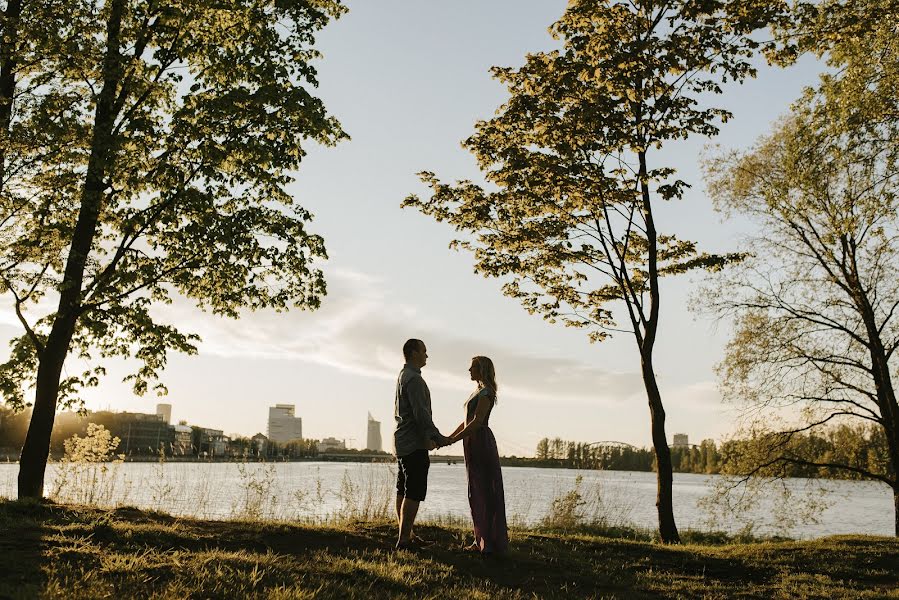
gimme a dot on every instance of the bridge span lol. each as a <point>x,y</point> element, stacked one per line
<point>612,444</point>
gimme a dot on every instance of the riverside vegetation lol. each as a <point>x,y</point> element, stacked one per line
<point>856,445</point>
<point>88,474</point>
<point>580,548</point>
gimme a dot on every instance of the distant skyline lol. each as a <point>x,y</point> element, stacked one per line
<point>408,79</point>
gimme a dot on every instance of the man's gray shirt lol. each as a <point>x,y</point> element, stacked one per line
<point>412,412</point>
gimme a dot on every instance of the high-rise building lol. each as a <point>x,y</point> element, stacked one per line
<point>374,435</point>
<point>283,425</point>
<point>164,411</point>
<point>680,440</point>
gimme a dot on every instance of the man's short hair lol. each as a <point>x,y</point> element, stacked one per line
<point>411,346</point>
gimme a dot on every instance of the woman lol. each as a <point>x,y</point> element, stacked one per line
<point>485,480</point>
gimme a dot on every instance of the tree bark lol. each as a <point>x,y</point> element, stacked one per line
<point>896,510</point>
<point>10,34</point>
<point>664,476</point>
<point>664,473</point>
<point>35,451</point>
<point>889,413</point>
<point>880,370</point>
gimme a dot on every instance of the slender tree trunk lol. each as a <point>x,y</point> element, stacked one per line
<point>880,371</point>
<point>889,412</point>
<point>33,461</point>
<point>10,34</point>
<point>36,449</point>
<point>665,479</point>
<point>896,510</point>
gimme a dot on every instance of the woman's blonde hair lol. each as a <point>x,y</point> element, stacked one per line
<point>487,373</point>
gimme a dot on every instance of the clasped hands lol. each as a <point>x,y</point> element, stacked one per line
<point>441,442</point>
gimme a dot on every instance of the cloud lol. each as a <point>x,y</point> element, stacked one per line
<point>360,330</point>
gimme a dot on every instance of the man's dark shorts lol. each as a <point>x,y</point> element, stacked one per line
<point>412,475</point>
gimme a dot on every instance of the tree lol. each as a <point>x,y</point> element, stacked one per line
<point>815,310</point>
<point>709,456</point>
<point>154,147</point>
<point>572,219</point>
<point>542,449</point>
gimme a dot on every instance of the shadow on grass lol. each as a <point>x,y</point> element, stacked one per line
<point>552,565</point>
<point>51,550</point>
<point>22,535</point>
<point>128,552</point>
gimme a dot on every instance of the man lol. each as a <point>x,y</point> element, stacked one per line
<point>415,434</point>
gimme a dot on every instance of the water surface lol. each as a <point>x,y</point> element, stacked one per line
<point>317,490</point>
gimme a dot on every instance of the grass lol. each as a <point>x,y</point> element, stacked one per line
<point>59,551</point>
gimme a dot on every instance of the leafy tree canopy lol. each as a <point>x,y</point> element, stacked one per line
<point>565,213</point>
<point>194,114</point>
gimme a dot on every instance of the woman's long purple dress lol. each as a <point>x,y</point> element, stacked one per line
<point>485,483</point>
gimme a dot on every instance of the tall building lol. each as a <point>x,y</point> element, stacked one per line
<point>283,426</point>
<point>374,435</point>
<point>680,440</point>
<point>164,411</point>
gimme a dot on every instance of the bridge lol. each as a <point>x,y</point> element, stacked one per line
<point>385,458</point>
<point>612,444</point>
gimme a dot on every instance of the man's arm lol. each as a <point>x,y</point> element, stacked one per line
<point>420,403</point>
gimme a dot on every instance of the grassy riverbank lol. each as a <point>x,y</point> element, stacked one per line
<point>57,551</point>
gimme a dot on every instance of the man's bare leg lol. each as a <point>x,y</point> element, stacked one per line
<point>407,519</point>
<point>399,512</point>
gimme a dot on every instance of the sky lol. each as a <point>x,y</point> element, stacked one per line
<point>408,79</point>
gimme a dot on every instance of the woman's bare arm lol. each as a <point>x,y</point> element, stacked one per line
<point>480,415</point>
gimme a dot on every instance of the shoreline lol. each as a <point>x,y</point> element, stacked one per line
<point>505,461</point>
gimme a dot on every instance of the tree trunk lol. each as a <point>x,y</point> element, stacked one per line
<point>10,33</point>
<point>880,368</point>
<point>664,494</point>
<point>36,449</point>
<point>664,477</point>
<point>896,510</point>
<point>33,461</point>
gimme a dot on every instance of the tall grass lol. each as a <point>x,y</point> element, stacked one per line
<point>308,504</point>
<point>161,489</point>
<point>585,506</point>
<point>89,474</point>
<point>371,499</point>
<point>259,498</point>
<point>88,470</point>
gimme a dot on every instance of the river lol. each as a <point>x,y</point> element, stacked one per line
<point>316,491</point>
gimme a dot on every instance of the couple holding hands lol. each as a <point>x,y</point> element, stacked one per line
<point>416,434</point>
